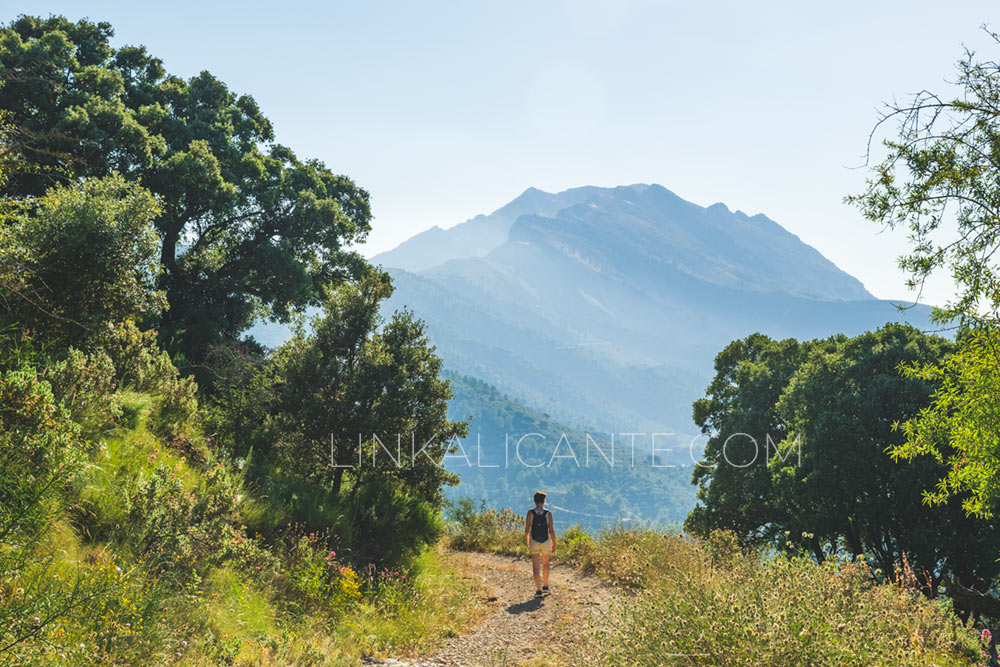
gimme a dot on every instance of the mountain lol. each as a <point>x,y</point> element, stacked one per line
<point>597,313</point>
<point>477,236</point>
<point>608,312</point>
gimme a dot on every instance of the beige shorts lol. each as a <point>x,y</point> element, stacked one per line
<point>539,547</point>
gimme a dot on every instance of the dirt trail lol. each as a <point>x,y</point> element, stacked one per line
<point>520,627</point>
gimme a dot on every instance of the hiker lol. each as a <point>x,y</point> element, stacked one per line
<point>540,536</point>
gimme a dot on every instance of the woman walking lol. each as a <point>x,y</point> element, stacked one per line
<point>540,535</point>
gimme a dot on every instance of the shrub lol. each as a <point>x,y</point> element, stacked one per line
<point>38,449</point>
<point>180,531</point>
<point>86,258</point>
<point>315,578</point>
<point>716,605</point>
<point>84,384</point>
<point>485,529</point>
<point>138,361</point>
<point>576,546</point>
<point>39,454</point>
<point>174,407</point>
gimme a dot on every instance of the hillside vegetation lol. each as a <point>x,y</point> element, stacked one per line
<point>146,550</point>
<point>169,490</point>
<point>713,602</point>
<point>576,474</point>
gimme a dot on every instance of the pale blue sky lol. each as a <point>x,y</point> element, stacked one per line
<point>443,110</point>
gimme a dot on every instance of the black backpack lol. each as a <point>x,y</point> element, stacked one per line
<point>539,526</point>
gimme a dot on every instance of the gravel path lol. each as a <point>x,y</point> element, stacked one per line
<point>521,628</point>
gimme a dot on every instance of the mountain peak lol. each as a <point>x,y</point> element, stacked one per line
<point>646,223</point>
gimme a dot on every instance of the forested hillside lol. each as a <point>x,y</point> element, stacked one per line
<point>586,484</point>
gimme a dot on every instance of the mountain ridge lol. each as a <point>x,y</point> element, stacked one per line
<point>695,228</point>
<point>611,310</point>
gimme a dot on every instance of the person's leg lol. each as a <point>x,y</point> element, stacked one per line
<point>534,571</point>
<point>545,566</point>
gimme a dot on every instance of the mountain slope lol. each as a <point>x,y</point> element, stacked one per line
<point>477,236</point>
<point>609,313</point>
<point>513,450</point>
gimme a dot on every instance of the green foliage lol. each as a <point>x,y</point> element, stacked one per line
<point>840,406</point>
<point>84,385</point>
<point>316,578</point>
<point>485,529</point>
<point>184,531</point>
<point>322,399</point>
<point>937,181</point>
<point>740,416</point>
<point>114,549</point>
<point>247,228</point>
<point>958,429</point>
<point>83,262</point>
<point>139,363</point>
<point>388,524</point>
<point>39,453</point>
<point>828,485</point>
<point>175,405</point>
<point>717,605</point>
<point>364,377</point>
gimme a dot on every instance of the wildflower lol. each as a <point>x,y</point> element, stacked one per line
<point>83,645</point>
<point>985,636</point>
<point>332,554</point>
<point>118,569</point>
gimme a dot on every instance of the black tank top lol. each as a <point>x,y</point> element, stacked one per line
<point>539,526</point>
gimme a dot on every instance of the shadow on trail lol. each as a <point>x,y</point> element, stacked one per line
<point>533,604</point>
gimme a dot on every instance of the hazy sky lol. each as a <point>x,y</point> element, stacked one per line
<point>443,110</point>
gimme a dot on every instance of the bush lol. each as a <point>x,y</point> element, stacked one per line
<point>39,451</point>
<point>717,605</point>
<point>39,454</point>
<point>183,532</point>
<point>485,529</point>
<point>86,258</point>
<point>314,577</point>
<point>174,407</point>
<point>139,363</point>
<point>85,386</point>
<point>386,525</point>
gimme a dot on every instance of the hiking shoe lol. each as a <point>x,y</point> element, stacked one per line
<point>538,593</point>
<point>545,589</point>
